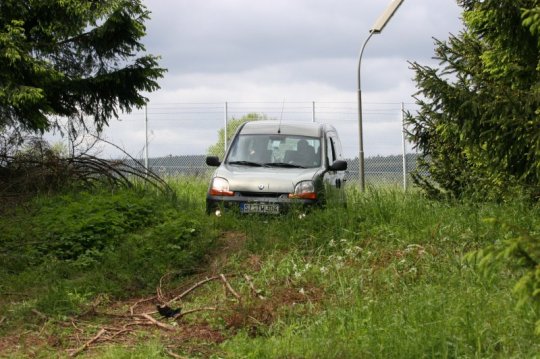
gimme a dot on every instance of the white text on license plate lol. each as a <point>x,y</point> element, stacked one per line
<point>271,208</point>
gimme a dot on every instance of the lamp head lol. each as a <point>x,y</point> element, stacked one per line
<point>385,17</point>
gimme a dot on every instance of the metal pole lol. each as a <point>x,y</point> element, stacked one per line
<point>375,29</point>
<point>361,170</point>
<point>71,139</point>
<point>403,138</point>
<point>146,138</point>
<point>313,112</point>
<point>225,128</point>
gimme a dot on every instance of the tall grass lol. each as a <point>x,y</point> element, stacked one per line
<point>396,286</point>
<point>383,277</point>
<point>67,250</point>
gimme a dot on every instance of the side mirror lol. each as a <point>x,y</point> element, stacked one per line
<point>338,165</point>
<point>213,161</point>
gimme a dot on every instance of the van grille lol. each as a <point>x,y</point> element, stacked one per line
<point>261,194</point>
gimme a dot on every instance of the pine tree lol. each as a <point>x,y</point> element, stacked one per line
<point>478,126</point>
<point>72,58</point>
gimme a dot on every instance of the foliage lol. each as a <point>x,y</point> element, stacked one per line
<point>71,229</point>
<point>383,277</point>
<point>217,149</point>
<point>478,122</point>
<point>66,250</point>
<point>72,226</point>
<point>393,281</point>
<point>520,249</point>
<point>72,58</point>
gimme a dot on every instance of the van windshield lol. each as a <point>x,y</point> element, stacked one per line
<point>276,150</point>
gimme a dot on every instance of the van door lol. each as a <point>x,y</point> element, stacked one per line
<point>334,180</point>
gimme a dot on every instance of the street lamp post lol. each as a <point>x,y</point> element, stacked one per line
<point>375,29</point>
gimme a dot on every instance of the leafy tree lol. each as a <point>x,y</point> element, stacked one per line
<point>218,148</point>
<point>72,58</point>
<point>478,125</point>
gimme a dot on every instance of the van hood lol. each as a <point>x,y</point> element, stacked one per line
<point>270,179</point>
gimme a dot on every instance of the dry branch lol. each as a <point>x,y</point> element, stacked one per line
<point>120,332</point>
<point>174,355</point>
<point>132,318</point>
<point>230,288</point>
<point>39,314</point>
<point>88,343</point>
<point>41,168</point>
<point>157,323</point>
<point>256,292</point>
<point>132,308</point>
<point>192,288</point>
<point>159,290</point>
<point>180,315</point>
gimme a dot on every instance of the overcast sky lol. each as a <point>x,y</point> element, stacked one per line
<point>273,51</point>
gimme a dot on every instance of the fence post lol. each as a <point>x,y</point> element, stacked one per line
<point>225,128</point>
<point>403,139</point>
<point>71,139</point>
<point>146,138</point>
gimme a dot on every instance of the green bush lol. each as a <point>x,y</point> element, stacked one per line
<point>518,248</point>
<point>64,250</point>
<point>90,222</point>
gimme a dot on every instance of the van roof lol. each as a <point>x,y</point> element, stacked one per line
<point>309,129</point>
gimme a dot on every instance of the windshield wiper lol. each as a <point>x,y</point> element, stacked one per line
<point>283,164</point>
<point>246,163</point>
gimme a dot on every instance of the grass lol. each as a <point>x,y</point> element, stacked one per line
<point>65,251</point>
<point>382,278</point>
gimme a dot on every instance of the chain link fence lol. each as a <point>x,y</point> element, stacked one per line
<point>173,139</point>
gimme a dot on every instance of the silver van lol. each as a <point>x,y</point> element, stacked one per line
<point>271,166</point>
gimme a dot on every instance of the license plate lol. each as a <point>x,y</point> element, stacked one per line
<point>270,208</point>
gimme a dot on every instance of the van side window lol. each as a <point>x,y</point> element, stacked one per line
<point>331,150</point>
<point>337,148</point>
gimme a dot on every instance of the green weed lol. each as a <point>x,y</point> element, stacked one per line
<point>394,282</point>
<point>76,247</point>
<point>383,277</point>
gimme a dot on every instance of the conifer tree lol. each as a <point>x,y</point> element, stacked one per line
<point>478,126</point>
<point>76,59</point>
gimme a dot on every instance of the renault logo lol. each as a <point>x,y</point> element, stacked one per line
<point>261,187</point>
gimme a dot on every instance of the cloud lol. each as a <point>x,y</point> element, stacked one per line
<point>257,54</point>
<point>308,49</point>
<point>215,35</point>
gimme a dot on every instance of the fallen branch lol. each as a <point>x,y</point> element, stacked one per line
<point>174,355</point>
<point>180,315</point>
<point>39,314</point>
<point>192,288</point>
<point>254,290</point>
<point>195,286</point>
<point>132,308</point>
<point>119,332</point>
<point>88,343</point>
<point>230,288</point>
<point>133,318</point>
<point>157,323</point>
<point>159,289</point>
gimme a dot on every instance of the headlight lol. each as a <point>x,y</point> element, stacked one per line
<point>220,187</point>
<point>304,189</point>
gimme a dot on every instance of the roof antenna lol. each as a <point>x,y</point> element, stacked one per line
<point>281,116</point>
